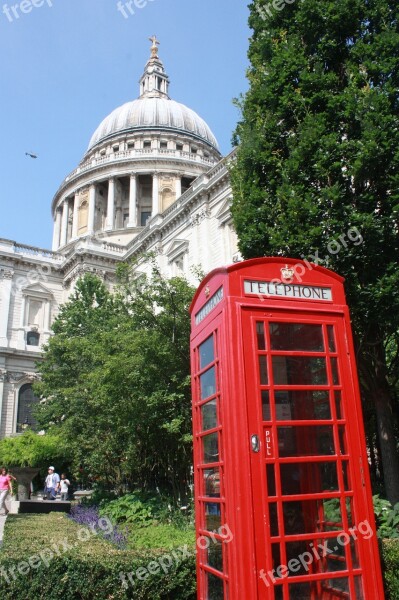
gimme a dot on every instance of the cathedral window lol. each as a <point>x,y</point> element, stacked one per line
<point>147,144</point>
<point>26,402</point>
<point>32,338</point>
<point>164,145</point>
<point>130,145</point>
<point>34,312</point>
<point>144,216</point>
<point>179,147</point>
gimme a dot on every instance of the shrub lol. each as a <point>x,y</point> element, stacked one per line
<point>32,450</point>
<point>83,567</point>
<point>390,554</point>
<point>387,518</point>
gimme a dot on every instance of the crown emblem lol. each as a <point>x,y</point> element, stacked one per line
<point>287,272</point>
<point>207,291</point>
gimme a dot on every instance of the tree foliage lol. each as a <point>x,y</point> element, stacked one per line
<point>318,157</point>
<point>115,377</point>
<point>32,450</point>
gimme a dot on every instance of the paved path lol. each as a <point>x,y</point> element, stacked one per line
<point>2,521</point>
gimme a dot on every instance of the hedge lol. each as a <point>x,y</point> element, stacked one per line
<point>390,555</point>
<point>83,568</point>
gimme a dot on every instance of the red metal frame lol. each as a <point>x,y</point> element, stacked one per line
<point>282,492</point>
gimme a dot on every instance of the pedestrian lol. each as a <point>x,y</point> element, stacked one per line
<point>64,487</point>
<point>51,484</point>
<point>5,488</point>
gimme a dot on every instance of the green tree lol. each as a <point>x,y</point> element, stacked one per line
<point>116,381</point>
<point>318,155</point>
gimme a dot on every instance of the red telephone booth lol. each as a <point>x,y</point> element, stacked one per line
<point>282,491</point>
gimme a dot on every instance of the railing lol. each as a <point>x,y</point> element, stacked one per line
<point>30,251</point>
<point>138,153</point>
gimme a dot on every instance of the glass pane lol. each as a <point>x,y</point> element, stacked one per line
<point>209,416</point>
<point>278,592</point>
<point>311,516</point>
<point>334,370</point>
<point>331,340</point>
<point>260,334</point>
<point>273,519</point>
<point>208,383</point>
<point>338,404</point>
<point>308,478</point>
<point>302,405</point>
<point>263,370</point>
<point>346,476</point>
<point>215,555</point>
<point>342,439</point>
<point>213,516</point>
<point>276,554</point>
<point>265,405</point>
<point>206,353</point>
<point>355,555</point>
<point>332,514</point>
<point>359,588</point>
<point>271,480</point>
<point>212,482</point>
<point>215,587</point>
<point>210,448</point>
<point>299,370</point>
<point>340,584</point>
<point>296,336</point>
<point>303,591</point>
<point>309,440</point>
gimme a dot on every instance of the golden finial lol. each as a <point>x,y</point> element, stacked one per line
<point>154,47</point>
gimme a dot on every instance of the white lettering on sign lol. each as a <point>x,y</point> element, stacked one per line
<point>269,447</point>
<point>208,306</point>
<point>284,290</point>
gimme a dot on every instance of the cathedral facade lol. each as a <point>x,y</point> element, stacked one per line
<point>151,181</point>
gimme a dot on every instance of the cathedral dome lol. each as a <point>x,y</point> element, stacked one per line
<point>153,112</point>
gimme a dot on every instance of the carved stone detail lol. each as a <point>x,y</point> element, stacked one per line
<point>197,218</point>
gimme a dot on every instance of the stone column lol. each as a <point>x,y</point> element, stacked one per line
<point>2,380</point>
<point>92,209</point>
<point>111,205</point>
<point>133,202</point>
<point>64,223</point>
<point>75,222</point>
<point>178,187</point>
<point>57,229</point>
<point>155,194</point>
<point>6,289</point>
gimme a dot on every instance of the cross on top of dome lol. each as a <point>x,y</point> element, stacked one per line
<point>154,47</point>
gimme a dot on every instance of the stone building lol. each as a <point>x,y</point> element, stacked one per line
<point>151,180</point>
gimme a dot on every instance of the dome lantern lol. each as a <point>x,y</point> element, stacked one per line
<point>154,82</point>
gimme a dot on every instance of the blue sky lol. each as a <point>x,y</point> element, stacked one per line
<point>66,64</point>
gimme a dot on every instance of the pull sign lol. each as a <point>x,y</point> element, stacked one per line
<point>255,443</point>
<point>269,444</point>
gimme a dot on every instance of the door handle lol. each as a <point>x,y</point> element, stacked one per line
<point>255,443</point>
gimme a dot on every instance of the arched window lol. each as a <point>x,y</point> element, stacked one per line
<point>32,338</point>
<point>26,402</point>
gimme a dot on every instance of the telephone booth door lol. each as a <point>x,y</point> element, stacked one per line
<point>303,476</point>
<point>282,490</point>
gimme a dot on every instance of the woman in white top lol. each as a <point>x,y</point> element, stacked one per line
<point>64,485</point>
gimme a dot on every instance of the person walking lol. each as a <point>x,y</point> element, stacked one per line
<point>64,487</point>
<point>5,488</point>
<point>51,484</point>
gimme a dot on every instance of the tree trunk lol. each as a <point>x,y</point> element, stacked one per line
<point>372,365</point>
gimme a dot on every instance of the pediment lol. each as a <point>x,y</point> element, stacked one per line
<point>37,289</point>
<point>176,248</point>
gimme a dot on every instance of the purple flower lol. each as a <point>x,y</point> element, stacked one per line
<point>89,516</point>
